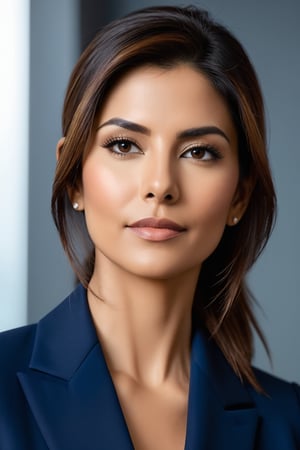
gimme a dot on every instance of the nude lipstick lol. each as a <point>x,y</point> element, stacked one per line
<point>156,229</point>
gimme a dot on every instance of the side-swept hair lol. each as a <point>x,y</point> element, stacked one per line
<point>166,37</point>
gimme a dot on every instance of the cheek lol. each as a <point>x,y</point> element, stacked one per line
<point>103,190</point>
<point>101,200</point>
<point>211,209</point>
<point>218,204</point>
<point>214,196</point>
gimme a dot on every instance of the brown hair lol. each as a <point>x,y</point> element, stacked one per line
<point>164,37</point>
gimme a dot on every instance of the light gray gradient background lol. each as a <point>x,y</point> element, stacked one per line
<point>270,32</point>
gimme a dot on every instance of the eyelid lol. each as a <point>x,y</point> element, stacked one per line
<point>111,142</point>
<point>113,139</point>
<point>118,138</point>
<point>212,149</point>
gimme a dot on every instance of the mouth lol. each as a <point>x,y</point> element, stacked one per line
<point>156,229</point>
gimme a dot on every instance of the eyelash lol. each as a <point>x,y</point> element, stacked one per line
<point>215,154</point>
<point>111,142</point>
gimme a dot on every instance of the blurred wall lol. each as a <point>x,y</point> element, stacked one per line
<point>54,48</point>
<point>270,32</point>
<point>14,129</point>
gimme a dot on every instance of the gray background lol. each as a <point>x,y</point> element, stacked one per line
<point>270,31</point>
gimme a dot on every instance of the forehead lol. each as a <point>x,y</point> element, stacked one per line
<point>181,96</point>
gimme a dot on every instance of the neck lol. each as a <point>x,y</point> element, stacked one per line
<point>144,325</point>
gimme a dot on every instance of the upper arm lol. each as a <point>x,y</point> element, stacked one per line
<point>296,388</point>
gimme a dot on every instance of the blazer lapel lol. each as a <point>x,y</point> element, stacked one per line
<point>68,386</point>
<point>221,413</point>
<point>71,394</point>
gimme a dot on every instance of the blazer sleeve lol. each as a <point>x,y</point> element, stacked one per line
<point>297,390</point>
<point>18,429</point>
<point>279,411</point>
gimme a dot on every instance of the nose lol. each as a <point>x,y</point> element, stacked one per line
<point>160,180</point>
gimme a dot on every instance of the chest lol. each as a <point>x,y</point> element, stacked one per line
<point>156,417</point>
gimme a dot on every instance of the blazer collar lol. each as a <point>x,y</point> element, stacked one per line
<point>68,385</point>
<point>64,337</point>
<point>72,397</point>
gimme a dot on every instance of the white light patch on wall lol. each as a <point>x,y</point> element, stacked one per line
<point>14,130</point>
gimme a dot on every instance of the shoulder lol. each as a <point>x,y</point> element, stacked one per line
<point>15,354</point>
<point>16,345</point>
<point>16,348</point>
<point>279,405</point>
<point>278,390</point>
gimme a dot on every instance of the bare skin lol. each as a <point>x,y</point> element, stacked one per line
<point>144,275</point>
<point>150,370</point>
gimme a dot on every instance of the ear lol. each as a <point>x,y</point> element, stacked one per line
<point>59,147</point>
<point>240,201</point>
<point>74,194</point>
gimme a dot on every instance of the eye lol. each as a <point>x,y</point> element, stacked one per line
<point>202,153</point>
<point>121,146</point>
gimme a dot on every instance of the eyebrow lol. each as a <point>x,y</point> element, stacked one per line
<point>132,126</point>
<point>202,131</point>
<point>191,132</point>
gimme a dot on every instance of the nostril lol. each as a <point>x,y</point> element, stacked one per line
<point>166,197</point>
<point>150,195</point>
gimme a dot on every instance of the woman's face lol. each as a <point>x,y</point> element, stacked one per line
<point>160,181</point>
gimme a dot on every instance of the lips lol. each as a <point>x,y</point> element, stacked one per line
<point>153,222</point>
<point>155,229</point>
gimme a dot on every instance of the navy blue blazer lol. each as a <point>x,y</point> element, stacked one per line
<point>56,393</point>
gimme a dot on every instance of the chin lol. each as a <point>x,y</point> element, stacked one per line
<point>157,271</point>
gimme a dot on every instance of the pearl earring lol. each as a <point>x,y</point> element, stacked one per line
<point>235,220</point>
<point>75,205</point>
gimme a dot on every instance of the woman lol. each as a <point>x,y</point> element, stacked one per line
<point>163,200</point>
